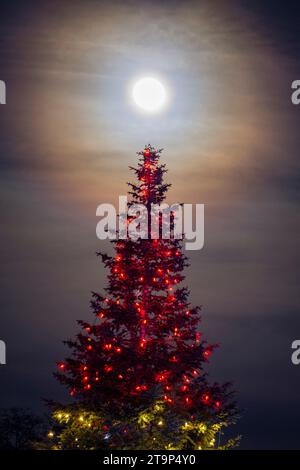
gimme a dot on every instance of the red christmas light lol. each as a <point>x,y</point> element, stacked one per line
<point>162,376</point>
<point>173,359</point>
<point>168,399</point>
<point>205,398</point>
<point>207,353</point>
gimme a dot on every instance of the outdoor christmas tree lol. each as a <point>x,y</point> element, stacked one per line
<point>136,374</point>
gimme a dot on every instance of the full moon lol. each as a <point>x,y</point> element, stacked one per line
<point>149,94</point>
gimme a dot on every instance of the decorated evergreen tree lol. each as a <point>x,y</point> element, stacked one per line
<point>136,373</point>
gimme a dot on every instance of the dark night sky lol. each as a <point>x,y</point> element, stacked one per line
<point>231,136</point>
